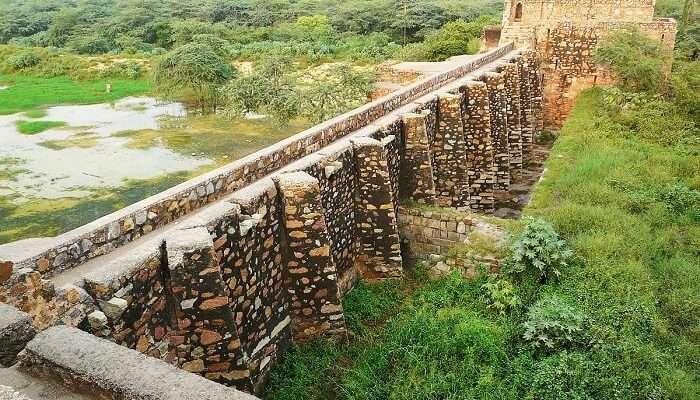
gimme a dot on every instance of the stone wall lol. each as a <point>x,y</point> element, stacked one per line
<point>444,239</point>
<point>88,364</point>
<point>223,291</point>
<point>50,256</point>
<point>426,231</point>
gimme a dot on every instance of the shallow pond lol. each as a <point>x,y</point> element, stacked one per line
<point>107,156</point>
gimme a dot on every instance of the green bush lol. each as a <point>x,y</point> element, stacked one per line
<point>552,324</point>
<point>89,45</point>
<point>23,60</point>
<point>635,59</point>
<point>453,39</point>
<point>679,198</point>
<point>500,296</point>
<point>538,250</point>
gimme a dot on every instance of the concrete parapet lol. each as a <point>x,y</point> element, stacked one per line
<point>375,210</point>
<point>93,365</point>
<point>312,279</point>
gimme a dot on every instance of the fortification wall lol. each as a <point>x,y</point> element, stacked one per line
<point>545,12</point>
<point>565,34</point>
<point>223,291</point>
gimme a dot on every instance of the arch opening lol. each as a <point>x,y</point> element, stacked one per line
<point>518,13</point>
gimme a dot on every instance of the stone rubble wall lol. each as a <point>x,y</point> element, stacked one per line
<point>223,293</point>
<point>49,256</point>
<point>426,232</point>
<point>433,234</point>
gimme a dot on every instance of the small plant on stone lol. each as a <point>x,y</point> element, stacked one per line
<point>500,296</point>
<point>552,324</point>
<point>539,250</point>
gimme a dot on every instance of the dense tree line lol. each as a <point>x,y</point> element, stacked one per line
<point>100,26</point>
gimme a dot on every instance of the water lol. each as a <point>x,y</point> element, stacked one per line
<point>108,156</point>
<point>71,161</point>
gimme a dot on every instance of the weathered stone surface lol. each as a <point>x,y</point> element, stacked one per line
<point>380,248</point>
<point>106,369</point>
<point>301,200</point>
<point>417,176</point>
<point>15,331</point>
<point>450,153</point>
<point>480,150</point>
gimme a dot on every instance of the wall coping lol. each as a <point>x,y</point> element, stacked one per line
<point>99,365</point>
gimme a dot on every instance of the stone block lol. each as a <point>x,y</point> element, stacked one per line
<point>107,370</point>
<point>16,331</point>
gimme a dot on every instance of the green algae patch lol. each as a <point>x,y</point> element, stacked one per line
<point>10,168</point>
<point>39,113</point>
<point>34,127</point>
<point>212,136</point>
<point>39,217</point>
<point>81,141</point>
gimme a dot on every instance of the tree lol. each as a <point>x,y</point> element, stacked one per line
<point>342,90</point>
<point>195,67</point>
<point>270,89</point>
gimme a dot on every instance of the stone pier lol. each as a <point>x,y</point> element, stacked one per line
<point>379,245</point>
<point>418,177</point>
<point>450,153</point>
<point>495,84</point>
<point>480,151</point>
<point>313,288</point>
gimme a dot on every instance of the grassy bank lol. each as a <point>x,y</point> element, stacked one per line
<point>628,300</point>
<point>27,93</point>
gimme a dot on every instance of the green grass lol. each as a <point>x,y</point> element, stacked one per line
<point>34,127</point>
<point>628,208</point>
<point>28,92</point>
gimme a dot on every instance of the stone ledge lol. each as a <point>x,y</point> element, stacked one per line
<point>98,366</point>
<point>15,331</point>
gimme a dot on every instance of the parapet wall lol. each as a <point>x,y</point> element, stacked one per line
<point>223,291</point>
<point>53,255</point>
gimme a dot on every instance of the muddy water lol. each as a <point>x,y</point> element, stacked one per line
<point>108,156</point>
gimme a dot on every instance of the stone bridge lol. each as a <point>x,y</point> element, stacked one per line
<point>218,275</point>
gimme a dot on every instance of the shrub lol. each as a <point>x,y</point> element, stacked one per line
<point>455,38</point>
<point>678,197</point>
<point>124,69</point>
<point>500,296</point>
<point>539,250</point>
<point>23,60</point>
<point>634,58</point>
<point>552,324</point>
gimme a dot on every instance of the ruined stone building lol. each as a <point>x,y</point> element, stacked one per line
<point>564,34</point>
